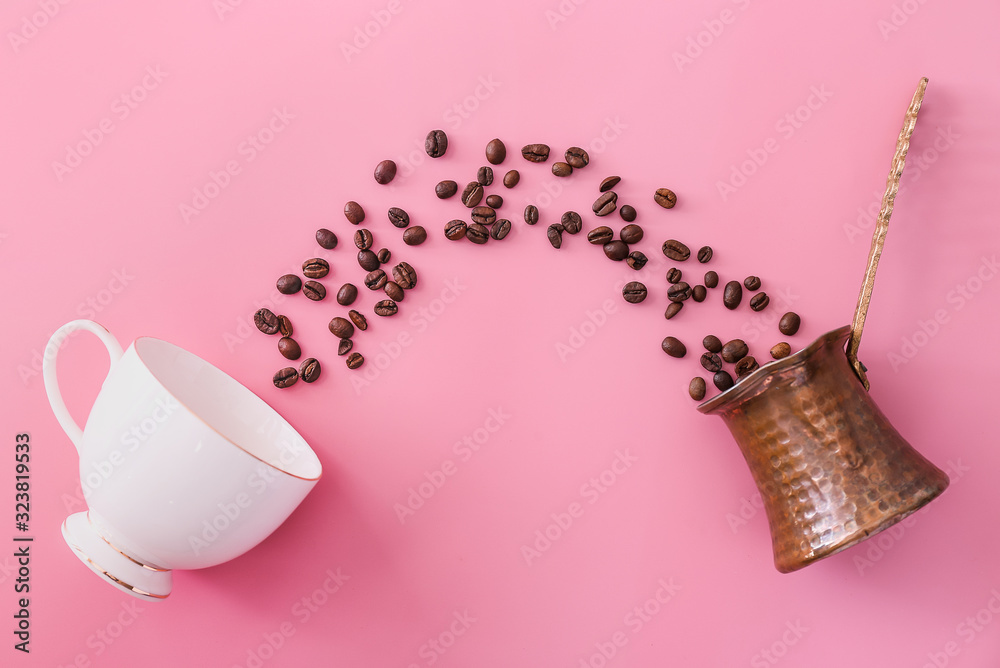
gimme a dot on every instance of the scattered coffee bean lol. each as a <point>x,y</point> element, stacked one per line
<point>473,194</point>
<point>326,239</point>
<point>285,377</point>
<point>711,279</point>
<point>355,360</point>
<point>288,348</point>
<point>634,292</point>
<point>314,291</point>
<point>484,215</point>
<point>606,203</point>
<point>494,201</point>
<point>752,282</point>
<point>385,172</point>
<point>673,347</point>
<point>600,235</point>
<point>722,380</point>
<point>746,366</point>
<point>554,233</point>
<point>705,254</point>
<point>631,234</point>
<point>609,183</point>
<point>501,229</point>
<point>347,294</point>
<point>789,323</point>
<point>445,189</point>
<point>364,239</point>
<point>577,157</point>
<point>699,293</point>
<point>781,350</point>
<point>637,260</point>
<point>496,152</point>
<point>675,250</point>
<point>404,274</point>
<point>266,321</point>
<point>511,178</point>
<point>679,292</point>
<point>531,214</point>
<point>696,388</point>
<point>478,233</point>
<point>665,198</point>
<point>375,280</point>
<point>711,361</point>
<point>616,250</point>
<point>759,301</point>
<point>289,284</point>
<point>341,328</point>
<point>386,308</point>
<point>572,222</point>
<point>455,229</point>
<point>627,212</point>
<point>733,295</point>
<point>673,308</point>
<point>485,176</point>
<point>674,275</point>
<point>317,267</point>
<point>394,292</point>
<point>368,260</point>
<point>354,213</point>
<point>309,370</point>
<point>285,325</point>
<point>436,143</point>
<point>398,217</point>
<point>359,319</point>
<point>561,169</point>
<point>414,236</point>
<point>384,255</point>
<point>712,344</point>
<point>535,152</point>
<point>345,346</point>
<point>734,350</point>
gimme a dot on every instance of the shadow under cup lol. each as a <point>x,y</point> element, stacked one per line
<point>182,467</point>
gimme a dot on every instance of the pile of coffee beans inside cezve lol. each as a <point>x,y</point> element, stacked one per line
<point>480,201</point>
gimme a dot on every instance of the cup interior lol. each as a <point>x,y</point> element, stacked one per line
<point>236,413</point>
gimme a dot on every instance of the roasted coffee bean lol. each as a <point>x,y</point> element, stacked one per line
<point>375,280</point>
<point>317,267</point>
<point>746,366</point>
<point>759,301</point>
<point>752,283</point>
<point>711,361</point>
<point>394,292</point>
<point>310,370</point>
<point>606,203</point>
<point>734,350</point>
<point>712,343</point>
<point>289,284</point>
<point>485,176</point>
<point>705,254</point>
<point>675,250</point>
<point>699,293</point>
<point>733,295</point>
<point>484,215</point>
<point>455,229</point>
<point>446,189</point>
<point>386,308</point>
<point>496,152</point>
<point>478,233</point>
<point>436,143</point>
<point>414,236</point>
<point>288,348</point>
<point>364,239</point>
<point>609,183</point>
<point>531,214</point>
<point>501,229</point>
<point>368,260</point>
<point>616,250</point>
<point>722,380</point>
<point>355,360</point>
<point>511,178</point>
<point>385,172</point>
<point>696,388</point>
<point>345,346</point>
<point>665,198</point>
<point>561,169</point>
<point>554,233</point>
<point>780,350</point>
<point>354,213</point>
<point>266,321</point>
<point>314,290</point>
<point>673,347</point>
<point>600,235</point>
<point>679,292</point>
<point>535,152</point>
<point>285,325</point>
<point>398,217</point>
<point>572,222</point>
<point>384,255</point>
<point>631,234</point>
<point>673,308</point>
<point>473,194</point>
<point>285,377</point>
<point>634,292</point>
<point>347,294</point>
<point>494,201</point>
<point>341,328</point>
<point>637,260</point>
<point>627,212</point>
<point>358,318</point>
<point>789,323</point>
<point>577,157</point>
<point>404,274</point>
<point>711,279</point>
<point>326,239</point>
<point>674,275</point>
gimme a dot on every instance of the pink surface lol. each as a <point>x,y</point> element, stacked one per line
<point>170,95</point>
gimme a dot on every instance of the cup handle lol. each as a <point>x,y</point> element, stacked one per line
<point>115,352</point>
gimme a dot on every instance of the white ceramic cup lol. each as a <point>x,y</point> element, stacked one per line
<point>181,466</point>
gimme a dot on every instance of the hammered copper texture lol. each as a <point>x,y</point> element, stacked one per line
<point>830,468</point>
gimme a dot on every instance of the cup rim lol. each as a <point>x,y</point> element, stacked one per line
<point>244,388</point>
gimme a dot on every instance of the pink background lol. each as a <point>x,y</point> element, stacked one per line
<point>107,240</point>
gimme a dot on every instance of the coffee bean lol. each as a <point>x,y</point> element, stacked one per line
<point>734,350</point>
<point>531,214</point>
<point>733,295</point>
<point>436,143</point>
<point>501,229</point>
<point>368,260</point>
<point>554,233</point>
<point>722,380</point>
<point>485,176</point>
<point>711,361</point>
<point>561,169</point>
<point>673,347</point>
<point>355,360</point>
<point>347,294</point>
<point>394,292</point>
<point>781,350</point>
<point>345,346</point>
<point>314,290</point>
<point>496,152</point>
<point>711,279</point>
<point>789,324</point>
<point>637,260</point>
<point>712,343</point>
<point>315,268</point>
<point>679,292</point>
<point>385,172</point>
<point>759,301</point>
<point>478,233</point>
<point>627,212</point>
<point>384,255</point>
<point>600,235</point>
<point>285,377</point>
<point>404,274</point>
<point>696,388</point>
<point>675,250</point>
<point>414,236</point>
<point>746,366</point>
<point>354,213</point>
<point>616,250</point>
<point>484,215</point>
<point>341,328</point>
<point>285,325</point>
<point>572,222</point>
<point>609,183</point>
<point>473,194</point>
<point>752,282</point>
<point>266,321</point>
<point>511,178</point>
<point>398,217</point>
<point>535,152</point>
<point>309,370</point>
<point>673,308</point>
<point>375,280</point>
<point>631,234</point>
<point>665,198</point>
<point>674,275</point>
<point>606,203</point>
<point>386,308</point>
<point>634,292</point>
<point>705,254</point>
<point>455,230</point>
<point>289,284</point>
<point>699,293</point>
<point>494,201</point>
<point>445,189</point>
<point>326,238</point>
<point>358,318</point>
<point>364,239</point>
<point>288,348</point>
<point>577,157</point>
